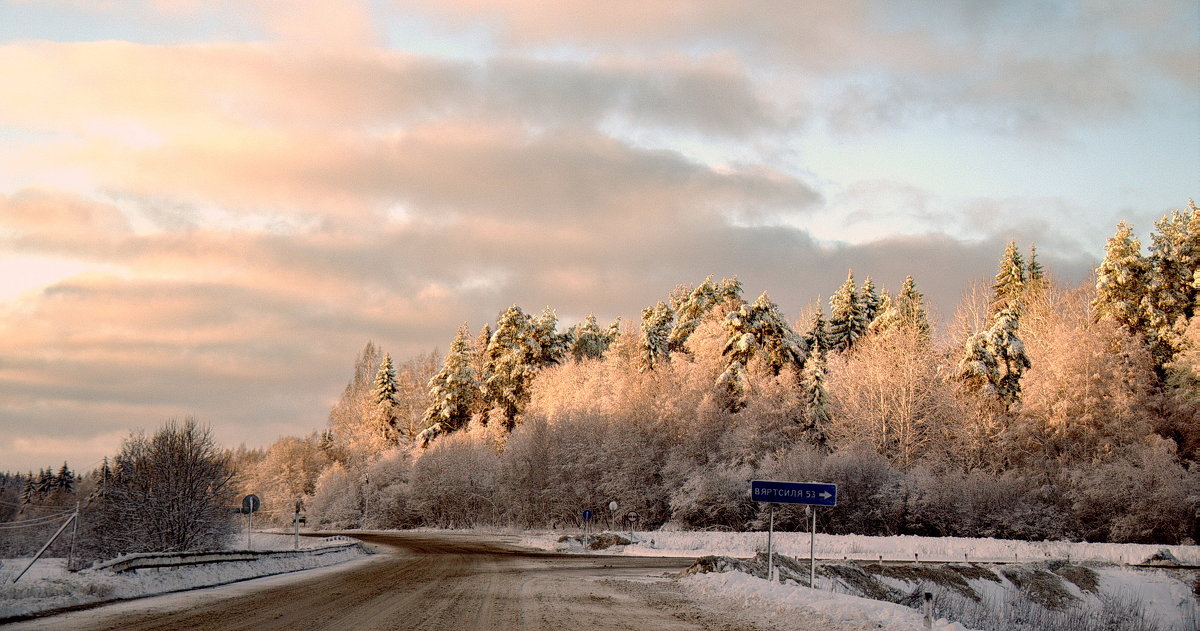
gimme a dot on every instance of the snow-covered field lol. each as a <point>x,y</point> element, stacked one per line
<point>47,585</point>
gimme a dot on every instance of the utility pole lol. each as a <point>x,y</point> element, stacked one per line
<point>74,534</point>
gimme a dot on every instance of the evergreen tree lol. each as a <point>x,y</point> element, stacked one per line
<point>845,316</point>
<point>656,334</point>
<point>1010,280</point>
<point>479,349</point>
<point>453,391</point>
<point>64,481</point>
<point>816,400</point>
<point>45,483</point>
<point>691,311</point>
<point>910,304</point>
<point>730,290</point>
<point>383,398</point>
<point>995,360</point>
<point>29,491</point>
<point>758,330</point>
<point>550,346</point>
<point>1037,275</point>
<point>1010,355</point>
<point>869,300</point>
<point>590,341</point>
<point>510,367</point>
<point>1171,297</point>
<point>1121,281</point>
<point>817,337</point>
<point>979,369</point>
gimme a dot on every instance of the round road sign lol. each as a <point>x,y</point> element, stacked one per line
<point>250,503</point>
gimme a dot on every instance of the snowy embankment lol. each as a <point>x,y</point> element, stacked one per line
<point>864,548</point>
<point>1083,579</point>
<point>766,603</point>
<point>49,586</point>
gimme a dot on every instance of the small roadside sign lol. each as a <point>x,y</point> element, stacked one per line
<point>811,493</point>
<point>250,504</point>
<point>587,515</point>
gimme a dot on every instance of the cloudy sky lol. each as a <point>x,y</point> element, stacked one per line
<point>207,207</point>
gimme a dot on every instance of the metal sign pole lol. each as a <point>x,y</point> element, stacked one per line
<point>770,545</point>
<point>812,551</point>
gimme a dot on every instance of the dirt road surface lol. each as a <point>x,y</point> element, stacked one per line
<point>425,581</point>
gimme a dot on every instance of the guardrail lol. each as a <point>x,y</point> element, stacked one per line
<point>148,560</point>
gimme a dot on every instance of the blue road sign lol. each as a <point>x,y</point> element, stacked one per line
<point>587,515</point>
<point>812,493</point>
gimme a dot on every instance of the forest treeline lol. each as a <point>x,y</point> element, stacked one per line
<point>1038,411</point>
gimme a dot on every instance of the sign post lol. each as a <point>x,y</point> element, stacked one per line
<point>296,527</point>
<point>250,504</point>
<point>631,517</point>
<point>587,526</point>
<point>811,494</point>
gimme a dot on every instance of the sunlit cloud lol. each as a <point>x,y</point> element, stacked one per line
<point>209,207</point>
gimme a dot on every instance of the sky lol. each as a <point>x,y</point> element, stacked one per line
<point>208,207</point>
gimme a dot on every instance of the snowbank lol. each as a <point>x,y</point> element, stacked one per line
<point>766,602</point>
<point>48,585</point>
<point>898,548</point>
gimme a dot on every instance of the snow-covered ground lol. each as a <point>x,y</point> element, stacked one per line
<point>1165,594</point>
<point>860,547</point>
<point>766,603</point>
<point>47,585</point>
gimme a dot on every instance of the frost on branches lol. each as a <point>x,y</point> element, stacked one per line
<point>656,333</point>
<point>453,391</point>
<point>994,360</point>
<point>758,330</point>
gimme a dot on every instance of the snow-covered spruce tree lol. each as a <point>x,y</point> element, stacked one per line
<point>869,300</point>
<point>906,311</point>
<point>64,480</point>
<point>911,304</point>
<point>816,399</point>
<point>1010,355</point>
<point>454,391</point>
<point>656,333</point>
<point>1121,281</point>
<point>817,337</point>
<point>589,341</point>
<point>979,369</point>
<point>1172,296</point>
<point>845,316</point>
<point>758,329</point>
<point>994,360</point>
<point>509,365</point>
<point>1010,280</point>
<point>550,346</point>
<point>1036,281</point>
<point>691,310</point>
<point>383,396</point>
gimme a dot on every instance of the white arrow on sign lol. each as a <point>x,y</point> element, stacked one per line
<point>825,495</point>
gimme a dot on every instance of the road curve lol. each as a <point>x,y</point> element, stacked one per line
<point>419,581</point>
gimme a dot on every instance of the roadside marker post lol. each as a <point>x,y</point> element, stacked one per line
<point>811,494</point>
<point>250,504</point>
<point>587,526</point>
